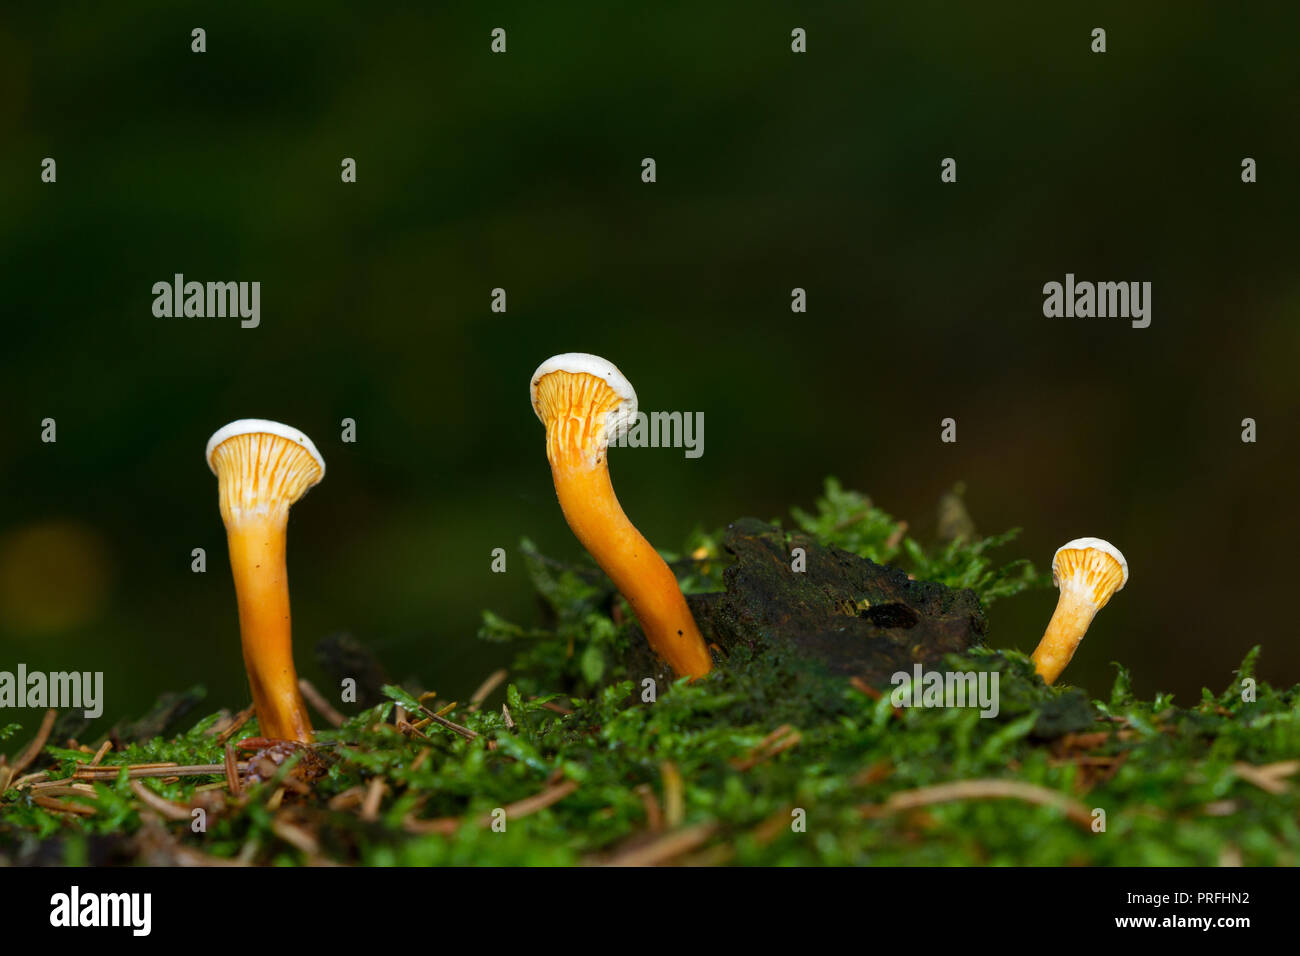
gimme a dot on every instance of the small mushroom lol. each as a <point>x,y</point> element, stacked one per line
<point>262,468</point>
<point>1087,571</point>
<point>584,401</point>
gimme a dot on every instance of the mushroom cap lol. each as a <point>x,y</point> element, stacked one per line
<point>1102,566</point>
<point>262,426</point>
<point>578,363</point>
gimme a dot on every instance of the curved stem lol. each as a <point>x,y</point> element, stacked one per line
<point>592,510</point>
<point>1074,613</point>
<point>257,560</point>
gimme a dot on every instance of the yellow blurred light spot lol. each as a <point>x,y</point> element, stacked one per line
<point>53,577</point>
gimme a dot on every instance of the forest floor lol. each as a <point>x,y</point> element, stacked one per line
<point>771,759</point>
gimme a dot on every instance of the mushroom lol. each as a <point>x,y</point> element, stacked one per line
<point>262,468</point>
<point>584,401</point>
<point>1087,571</point>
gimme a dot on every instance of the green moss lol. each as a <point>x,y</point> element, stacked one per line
<point>848,520</point>
<point>1170,779</point>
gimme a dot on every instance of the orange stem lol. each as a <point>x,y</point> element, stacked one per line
<point>592,510</point>
<point>257,560</point>
<point>1064,632</point>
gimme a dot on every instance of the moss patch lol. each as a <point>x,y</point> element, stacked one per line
<point>768,761</point>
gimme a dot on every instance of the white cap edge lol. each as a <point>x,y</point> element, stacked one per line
<point>577,363</point>
<point>255,426</point>
<point>1079,544</point>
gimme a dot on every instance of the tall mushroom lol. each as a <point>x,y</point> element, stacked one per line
<point>262,468</point>
<point>584,401</point>
<point>1087,571</point>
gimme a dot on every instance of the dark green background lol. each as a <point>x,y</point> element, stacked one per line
<point>523,171</point>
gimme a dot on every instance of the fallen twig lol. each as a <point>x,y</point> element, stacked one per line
<point>62,806</point>
<point>783,738</point>
<point>318,701</point>
<point>295,836</point>
<point>374,794</point>
<point>30,779</point>
<point>134,771</point>
<point>61,788</point>
<point>538,801</point>
<point>231,767</point>
<point>774,826</point>
<point>982,790</point>
<point>513,811</point>
<point>444,722</point>
<point>33,749</point>
<point>654,816</point>
<point>1268,777</point>
<point>666,847</point>
<point>100,753</point>
<point>241,718</point>
<point>674,794</point>
<point>172,811</point>
<point>490,683</point>
<point>348,799</point>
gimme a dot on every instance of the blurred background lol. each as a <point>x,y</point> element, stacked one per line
<point>522,171</point>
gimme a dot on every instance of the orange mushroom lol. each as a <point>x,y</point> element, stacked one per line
<point>262,468</point>
<point>584,401</point>
<point>1087,571</point>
